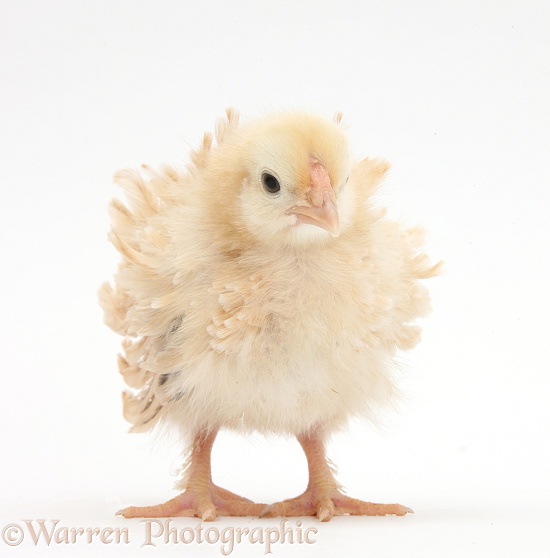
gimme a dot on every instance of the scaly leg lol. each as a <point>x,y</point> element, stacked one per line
<point>201,498</point>
<point>323,496</point>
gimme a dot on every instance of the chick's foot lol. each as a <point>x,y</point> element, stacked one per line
<point>323,497</point>
<point>327,503</point>
<point>206,504</point>
<point>201,497</point>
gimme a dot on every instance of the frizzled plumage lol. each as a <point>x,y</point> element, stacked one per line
<point>239,313</point>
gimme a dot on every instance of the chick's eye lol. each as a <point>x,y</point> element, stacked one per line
<point>270,183</point>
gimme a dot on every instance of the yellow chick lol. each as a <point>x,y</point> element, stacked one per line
<point>261,291</point>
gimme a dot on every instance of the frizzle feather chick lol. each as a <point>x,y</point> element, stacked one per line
<point>260,290</point>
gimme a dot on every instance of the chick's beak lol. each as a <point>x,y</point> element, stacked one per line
<point>321,209</point>
<point>324,215</point>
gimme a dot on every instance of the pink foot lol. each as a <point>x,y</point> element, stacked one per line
<point>206,504</point>
<point>328,503</point>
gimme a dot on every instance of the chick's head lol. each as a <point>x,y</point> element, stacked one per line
<point>292,171</point>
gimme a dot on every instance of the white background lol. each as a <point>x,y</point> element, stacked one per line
<point>455,94</point>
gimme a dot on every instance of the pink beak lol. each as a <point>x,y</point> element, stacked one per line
<point>321,210</point>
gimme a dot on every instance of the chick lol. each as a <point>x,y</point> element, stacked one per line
<point>261,291</point>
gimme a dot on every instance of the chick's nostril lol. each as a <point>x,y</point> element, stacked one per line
<point>315,198</point>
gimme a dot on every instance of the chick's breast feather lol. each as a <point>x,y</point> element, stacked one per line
<point>260,289</point>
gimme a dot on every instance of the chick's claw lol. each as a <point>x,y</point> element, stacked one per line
<point>184,505</point>
<point>346,505</point>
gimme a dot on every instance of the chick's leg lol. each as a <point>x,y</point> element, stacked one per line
<point>323,496</point>
<point>201,498</point>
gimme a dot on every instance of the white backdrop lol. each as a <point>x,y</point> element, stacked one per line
<point>455,94</point>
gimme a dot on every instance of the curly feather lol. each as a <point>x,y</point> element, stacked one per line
<point>231,317</point>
